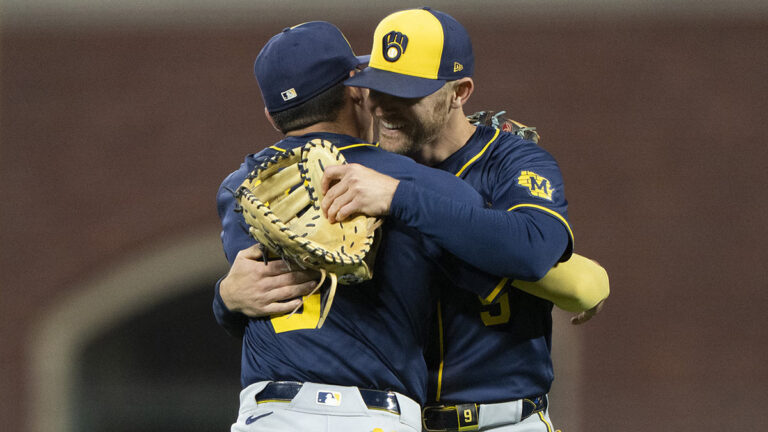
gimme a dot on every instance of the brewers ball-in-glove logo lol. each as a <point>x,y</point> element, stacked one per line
<point>394,44</point>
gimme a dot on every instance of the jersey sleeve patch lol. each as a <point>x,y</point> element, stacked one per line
<point>538,186</point>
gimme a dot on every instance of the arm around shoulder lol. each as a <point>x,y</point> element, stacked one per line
<point>576,285</point>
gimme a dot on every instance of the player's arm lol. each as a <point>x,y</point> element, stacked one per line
<point>255,288</point>
<point>251,288</point>
<point>531,244</point>
<point>529,251</point>
<point>577,285</point>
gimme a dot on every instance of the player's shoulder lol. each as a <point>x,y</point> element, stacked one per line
<point>375,157</point>
<point>507,145</point>
<point>363,150</point>
<point>404,168</point>
<point>234,179</point>
<point>358,147</point>
<point>510,141</point>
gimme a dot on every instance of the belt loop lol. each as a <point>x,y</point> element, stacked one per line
<point>467,417</point>
<point>410,411</point>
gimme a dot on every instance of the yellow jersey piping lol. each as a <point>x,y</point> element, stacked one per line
<point>496,290</point>
<point>442,351</point>
<point>549,211</point>
<point>358,145</point>
<point>275,147</point>
<point>477,156</point>
<point>543,419</point>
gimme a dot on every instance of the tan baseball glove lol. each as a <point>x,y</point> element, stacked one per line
<point>498,120</point>
<point>280,200</point>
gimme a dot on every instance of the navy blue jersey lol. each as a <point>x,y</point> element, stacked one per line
<point>497,348</point>
<point>376,331</point>
<point>527,237</point>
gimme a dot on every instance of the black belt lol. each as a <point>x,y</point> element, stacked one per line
<point>464,417</point>
<point>285,391</point>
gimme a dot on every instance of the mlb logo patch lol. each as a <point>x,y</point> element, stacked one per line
<point>329,398</point>
<point>289,94</point>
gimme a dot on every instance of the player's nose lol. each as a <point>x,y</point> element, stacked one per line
<point>381,103</point>
<point>379,98</point>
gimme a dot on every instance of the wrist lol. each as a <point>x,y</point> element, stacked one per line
<point>400,196</point>
<point>225,295</point>
<point>392,190</point>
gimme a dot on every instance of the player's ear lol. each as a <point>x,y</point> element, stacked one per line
<point>269,119</point>
<point>358,94</point>
<point>462,90</point>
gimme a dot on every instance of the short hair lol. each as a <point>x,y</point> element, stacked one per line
<point>323,107</point>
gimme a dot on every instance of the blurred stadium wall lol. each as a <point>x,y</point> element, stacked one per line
<point>119,119</point>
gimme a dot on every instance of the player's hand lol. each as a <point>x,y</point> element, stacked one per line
<point>354,189</point>
<point>257,289</point>
<point>587,314</point>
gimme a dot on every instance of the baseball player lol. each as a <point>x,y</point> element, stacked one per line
<point>364,369</point>
<point>490,367</point>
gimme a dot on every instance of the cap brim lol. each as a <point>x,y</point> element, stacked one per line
<point>364,59</point>
<point>395,84</point>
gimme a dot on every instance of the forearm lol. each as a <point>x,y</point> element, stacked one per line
<point>575,285</point>
<point>233,239</point>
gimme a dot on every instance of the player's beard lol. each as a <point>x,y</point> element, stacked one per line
<point>408,133</point>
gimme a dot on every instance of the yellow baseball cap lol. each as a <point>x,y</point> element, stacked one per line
<point>415,52</point>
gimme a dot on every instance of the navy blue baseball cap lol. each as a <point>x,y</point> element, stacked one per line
<point>415,52</point>
<point>301,62</point>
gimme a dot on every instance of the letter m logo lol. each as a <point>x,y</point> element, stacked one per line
<point>537,185</point>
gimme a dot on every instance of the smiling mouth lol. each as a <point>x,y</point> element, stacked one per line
<point>391,125</point>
